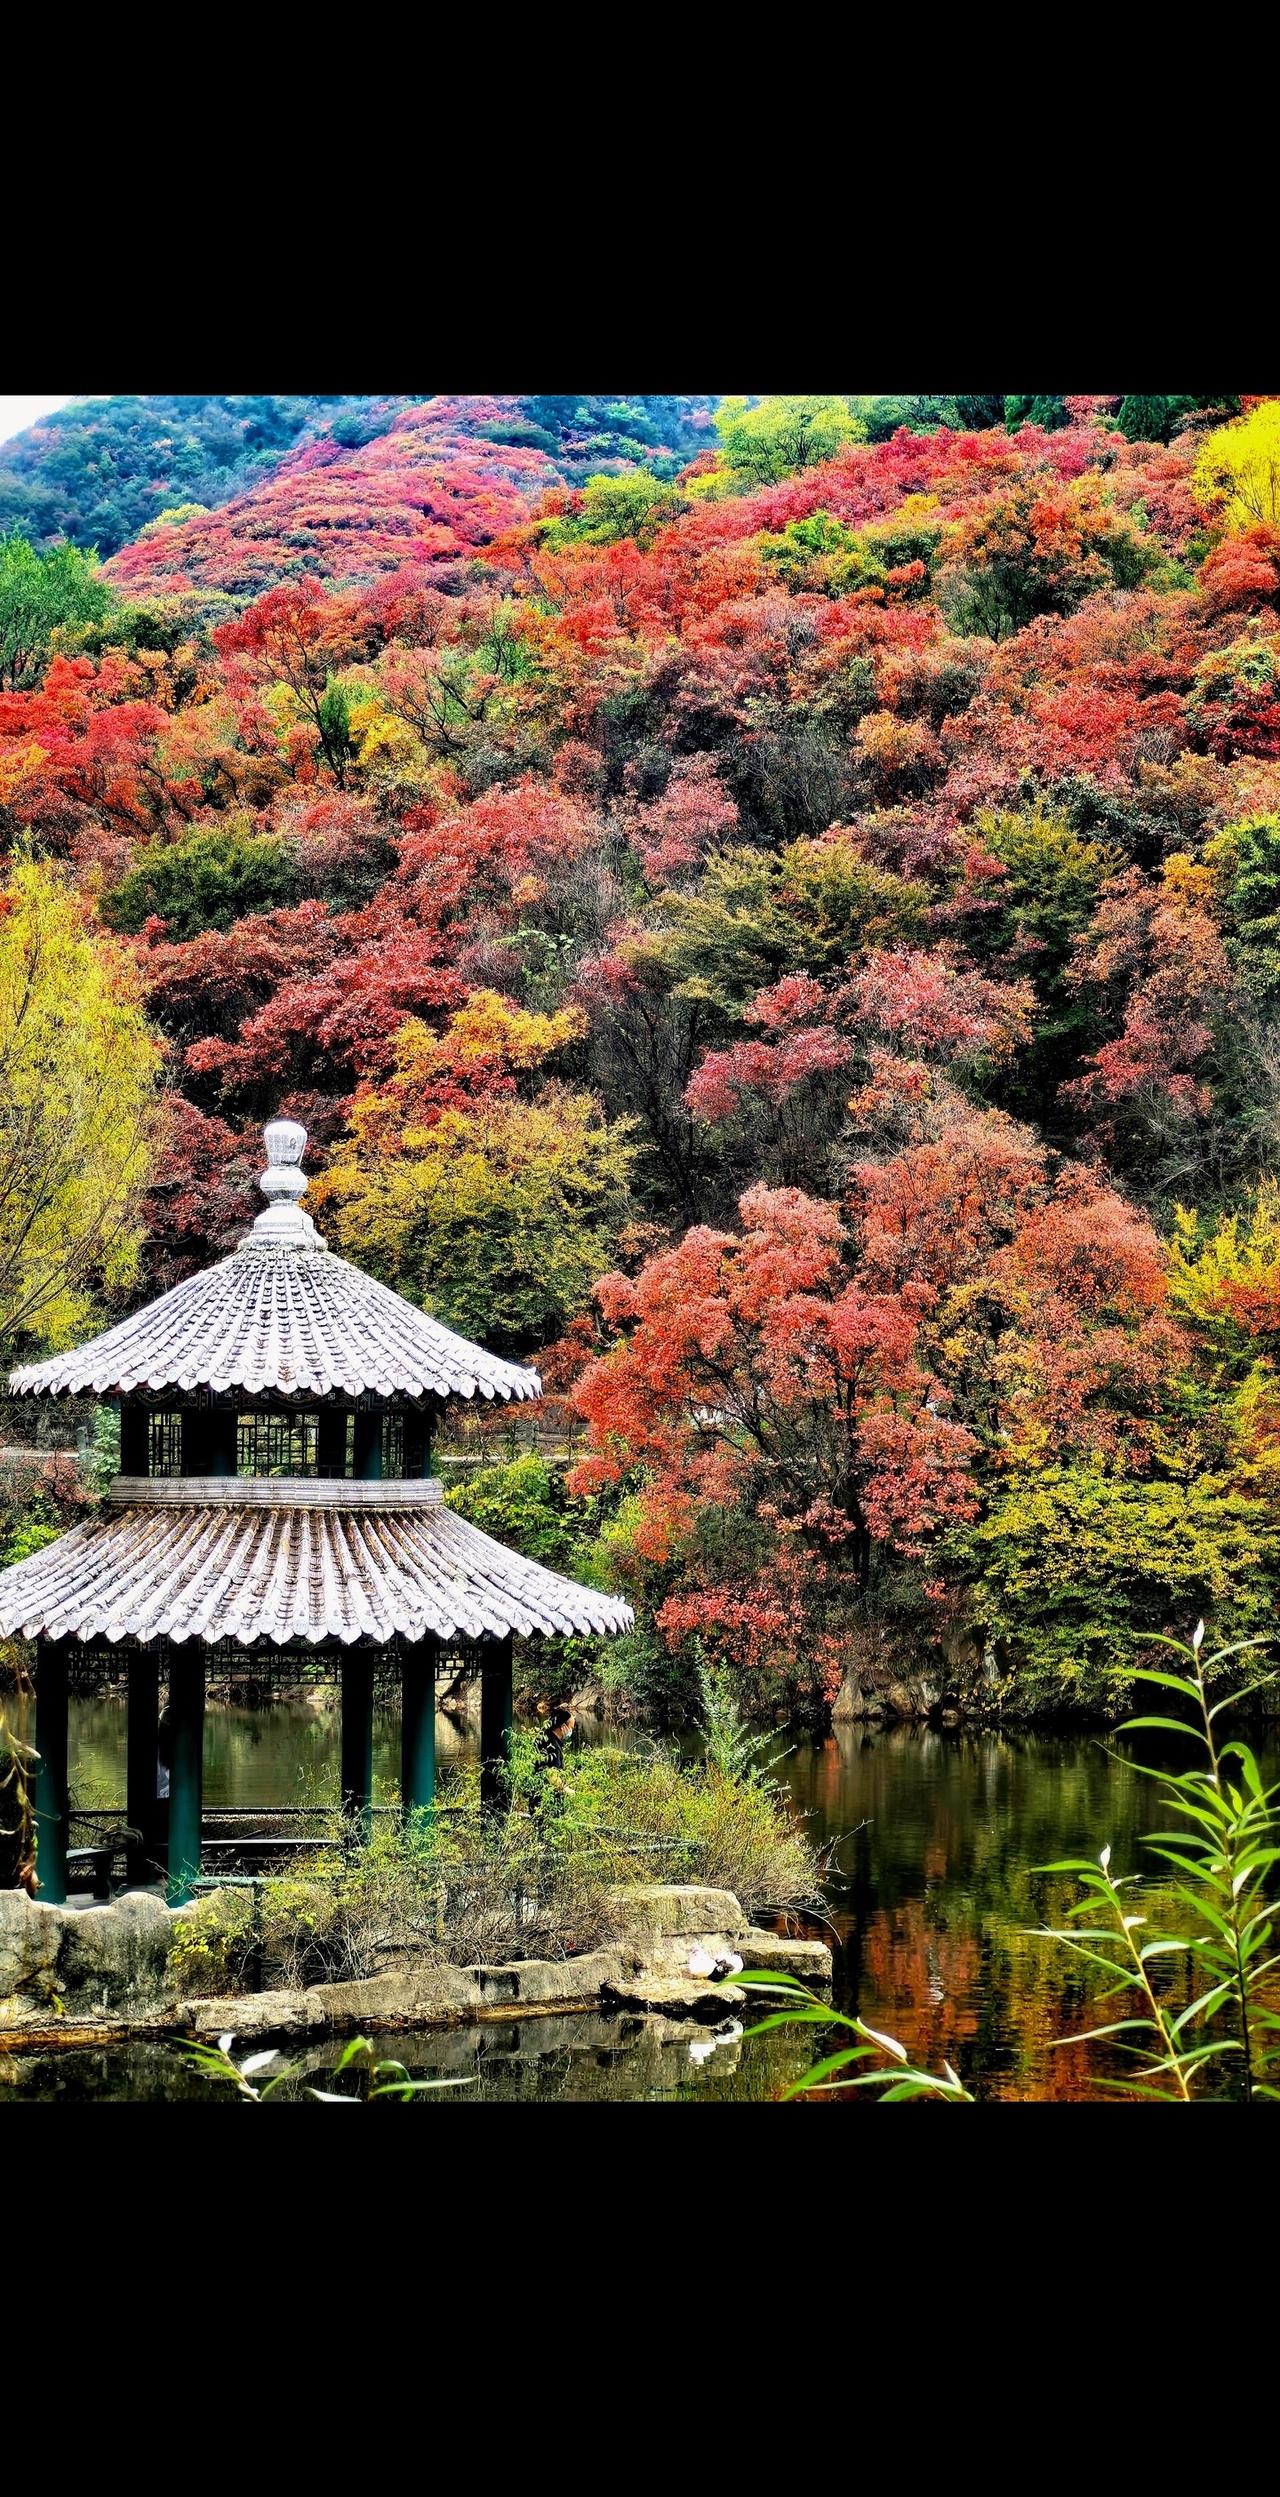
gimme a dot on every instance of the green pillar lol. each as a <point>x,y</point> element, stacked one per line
<point>221,1443</point>
<point>186,1774</point>
<point>418,1727</point>
<point>368,1448</point>
<point>357,1737</point>
<point>195,1439</point>
<point>495,1724</point>
<point>133,1436</point>
<point>51,1772</point>
<point>331,1443</point>
<point>144,1852</point>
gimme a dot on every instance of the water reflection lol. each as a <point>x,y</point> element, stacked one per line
<point>931,1841</point>
<point>573,2059</point>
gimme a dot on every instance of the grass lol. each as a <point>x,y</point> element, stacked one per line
<point>532,1882</point>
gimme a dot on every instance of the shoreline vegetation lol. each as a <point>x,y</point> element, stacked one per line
<point>617,1879</point>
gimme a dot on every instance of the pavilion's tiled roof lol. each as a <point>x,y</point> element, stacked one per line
<point>283,1315</point>
<point>282,1573</point>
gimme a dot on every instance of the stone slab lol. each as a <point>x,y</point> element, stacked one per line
<point>785,1957</point>
<point>679,1998</point>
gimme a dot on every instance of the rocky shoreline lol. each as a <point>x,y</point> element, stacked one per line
<point>95,1976</point>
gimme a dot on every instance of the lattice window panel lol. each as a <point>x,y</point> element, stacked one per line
<point>164,1443</point>
<point>276,1443</point>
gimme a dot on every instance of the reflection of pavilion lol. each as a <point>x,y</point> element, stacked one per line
<point>276,1414</point>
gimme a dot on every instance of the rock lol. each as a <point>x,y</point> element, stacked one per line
<point>413,1997</point>
<point>852,1703</point>
<point>549,1982</point>
<point>784,1956</point>
<point>245,2016</point>
<point>84,1959</point>
<point>653,1911</point>
<point>117,1953</point>
<point>402,1998</point>
<point>657,1925</point>
<point>30,1941</point>
<point>62,1969</point>
<point>679,1998</point>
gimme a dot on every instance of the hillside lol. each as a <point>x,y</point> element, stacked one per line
<point>101,472</point>
<point>784,911</point>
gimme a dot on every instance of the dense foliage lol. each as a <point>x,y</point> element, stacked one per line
<point>99,472</point>
<point>773,909</point>
<point>77,1078</point>
<point>96,471</point>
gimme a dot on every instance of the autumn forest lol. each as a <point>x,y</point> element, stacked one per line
<point>769,909</point>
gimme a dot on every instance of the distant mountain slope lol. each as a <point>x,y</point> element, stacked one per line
<point>98,470</point>
<point>101,472</point>
<point>437,481</point>
<point>427,490</point>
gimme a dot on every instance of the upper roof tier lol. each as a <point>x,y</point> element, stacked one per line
<point>282,1315</point>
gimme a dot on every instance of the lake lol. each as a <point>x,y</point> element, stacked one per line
<point>931,1838</point>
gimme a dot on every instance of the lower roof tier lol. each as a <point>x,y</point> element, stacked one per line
<point>284,1573</point>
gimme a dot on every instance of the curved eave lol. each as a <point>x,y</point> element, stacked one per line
<point>284,1391</point>
<point>281,1320</point>
<point>297,1574</point>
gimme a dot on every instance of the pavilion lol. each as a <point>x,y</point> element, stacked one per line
<point>276,1420</point>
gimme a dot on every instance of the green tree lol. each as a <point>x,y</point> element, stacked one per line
<point>38,593</point>
<point>498,1217</point>
<point>522,1504</point>
<point>1144,417</point>
<point>1053,878</point>
<point>633,505</point>
<point>1247,858</point>
<point>209,880</point>
<point>975,412</point>
<point>1071,1563</point>
<point>333,719</point>
<point>720,944</point>
<point>78,1070</point>
<point>772,439</point>
<point>1050,412</point>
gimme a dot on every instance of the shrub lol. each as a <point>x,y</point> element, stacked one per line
<point>643,1816</point>
<point>533,1882</point>
<point>1071,1562</point>
<point>209,880</point>
<point>211,1945</point>
<point>523,1504</point>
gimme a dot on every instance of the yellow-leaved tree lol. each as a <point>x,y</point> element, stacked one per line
<point>1237,470</point>
<point>495,1210</point>
<point>78,1109</point>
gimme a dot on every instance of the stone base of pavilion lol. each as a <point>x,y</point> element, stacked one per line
<point>101,1976</point>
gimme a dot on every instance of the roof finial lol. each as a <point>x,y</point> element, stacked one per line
<point>283,1184</point>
